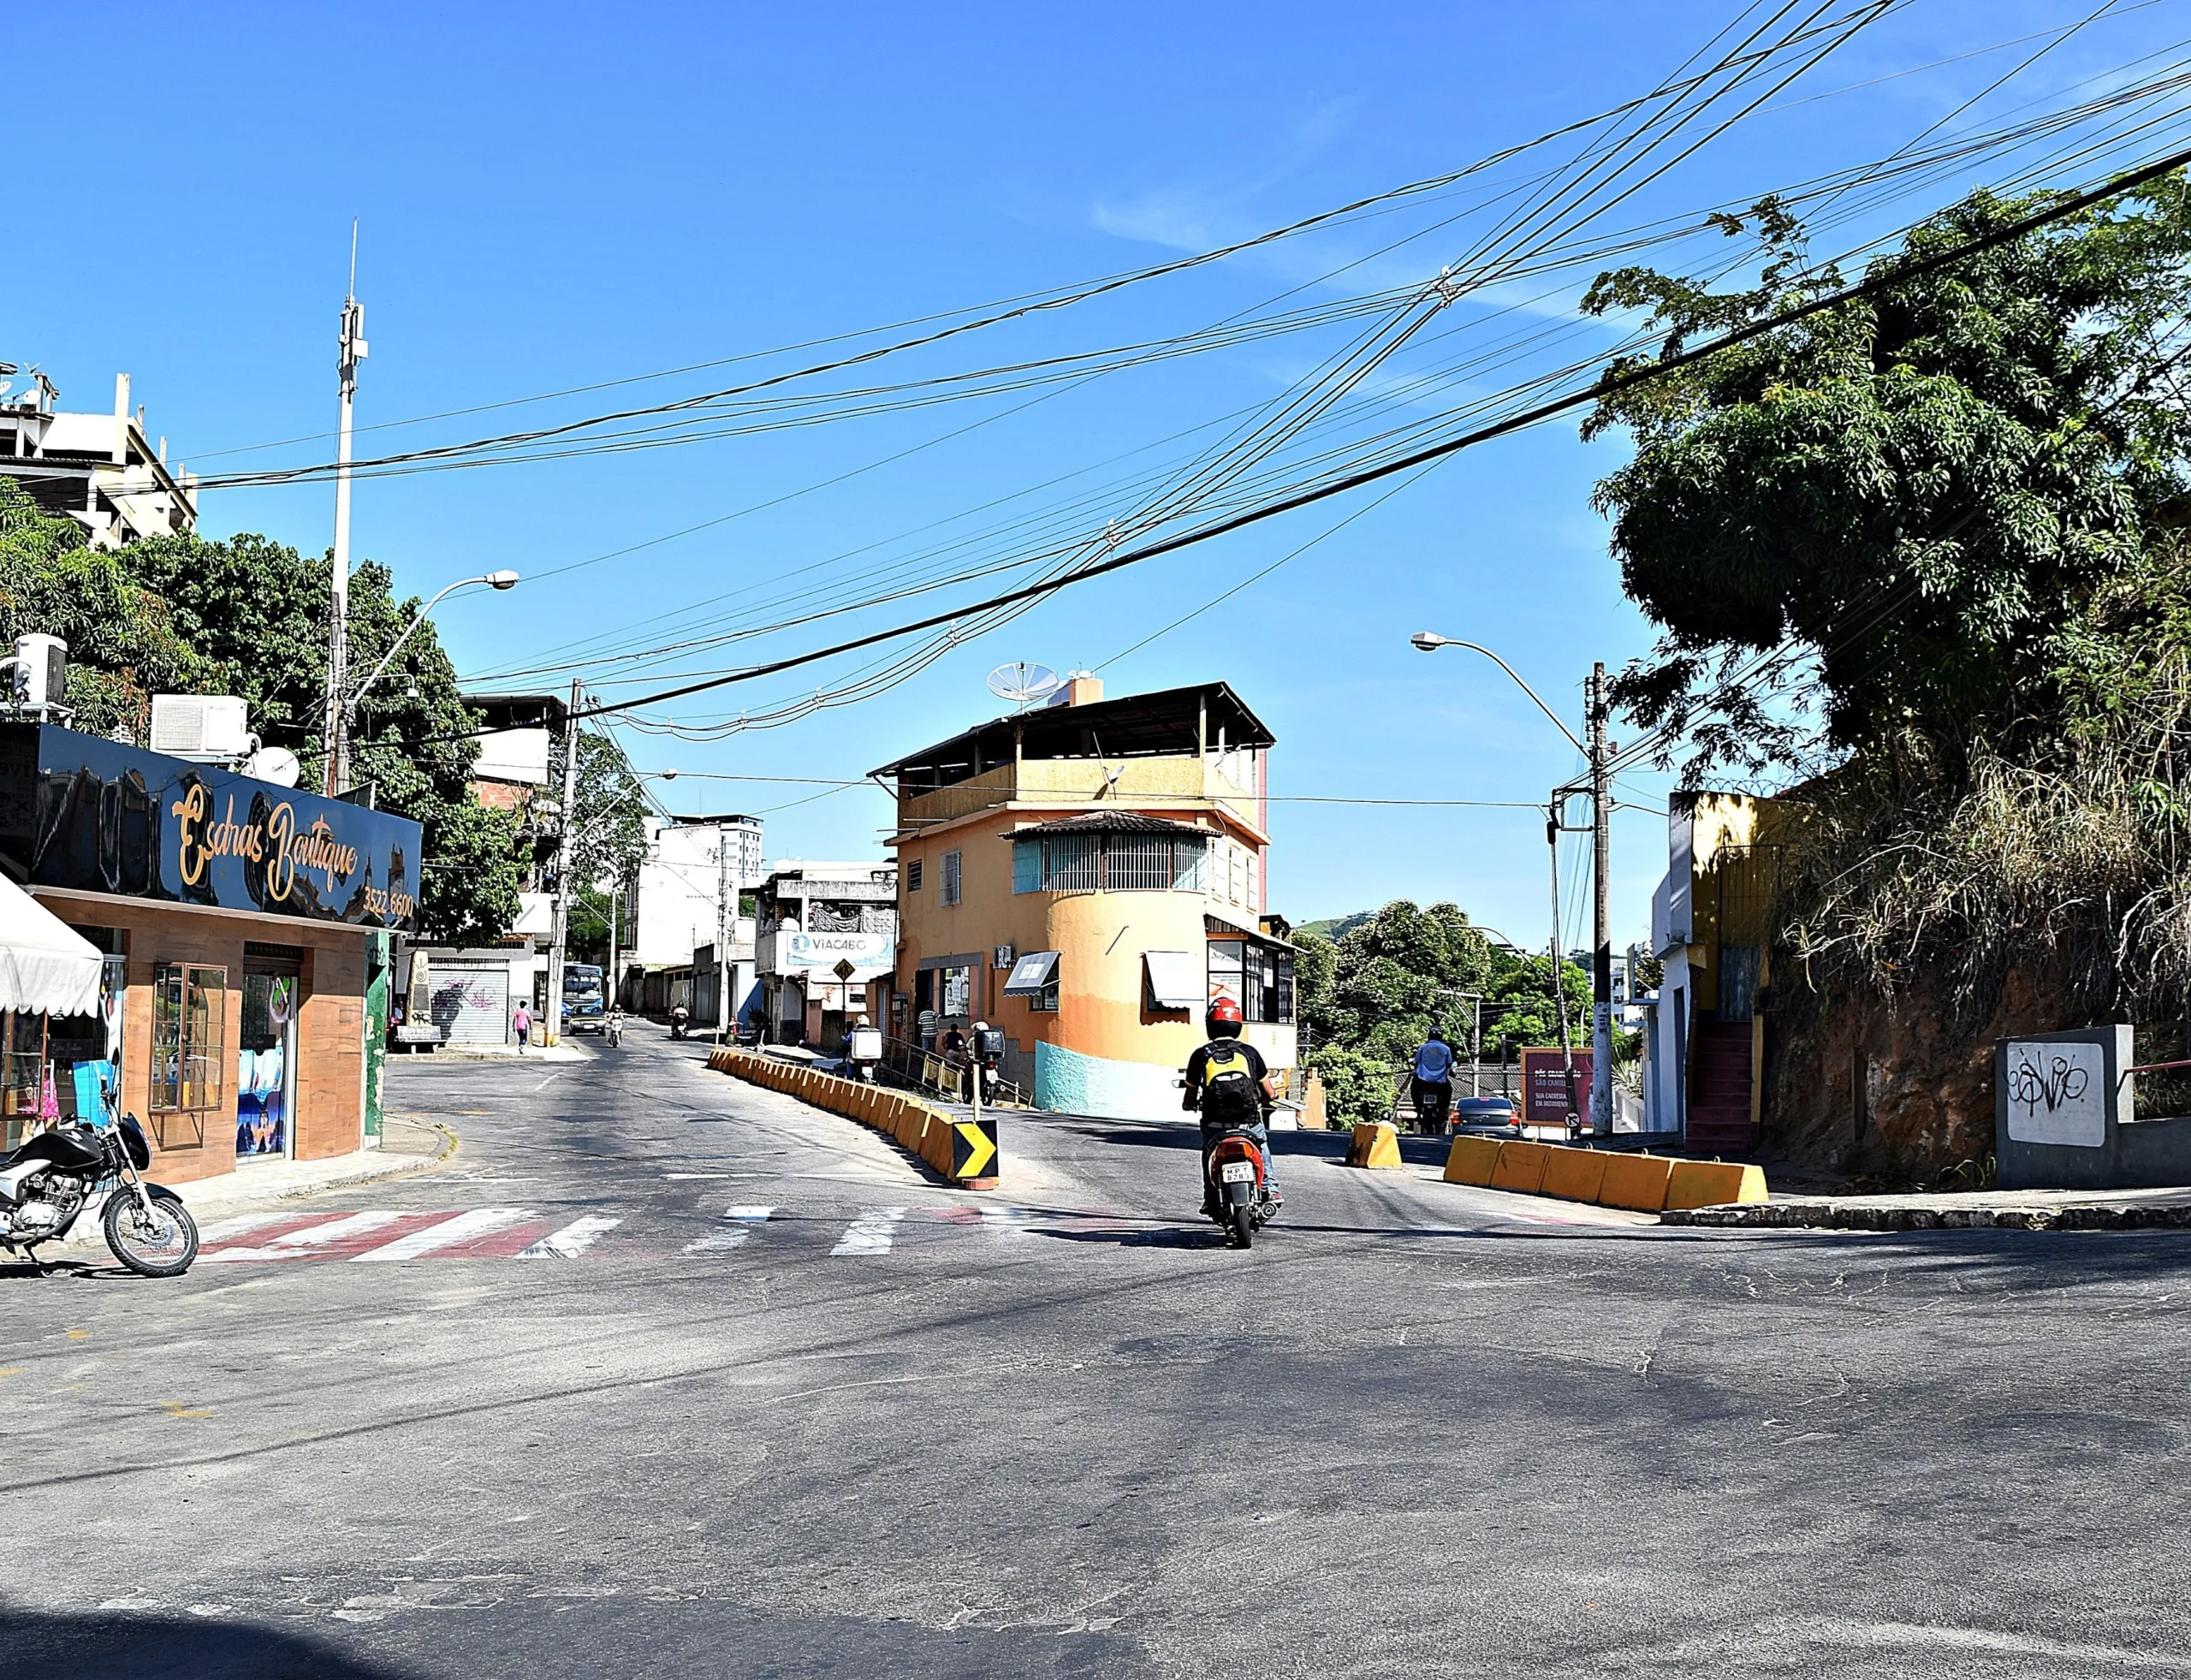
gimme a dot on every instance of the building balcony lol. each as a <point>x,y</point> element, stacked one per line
<point>1058,785</point>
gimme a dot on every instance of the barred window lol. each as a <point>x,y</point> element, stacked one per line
<point>1107,863</point>
<point>914,875</point>
<point>950,894</point>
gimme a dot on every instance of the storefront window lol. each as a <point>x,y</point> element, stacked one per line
<point>1258,977</point>
<point>22,1074</point>
<point>266,1041</point>
<point>958,992</point>
<point>189,1056</point>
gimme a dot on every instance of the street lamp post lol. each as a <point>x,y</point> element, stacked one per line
<point>1598,753</point>
<point>494,580</point>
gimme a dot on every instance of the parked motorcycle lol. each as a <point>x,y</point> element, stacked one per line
<point>48,1182</point>
<point>1238,1196</point>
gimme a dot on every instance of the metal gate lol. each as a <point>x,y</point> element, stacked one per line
<point>470,1002</point>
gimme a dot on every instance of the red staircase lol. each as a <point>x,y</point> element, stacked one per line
<point>1719,1101</point>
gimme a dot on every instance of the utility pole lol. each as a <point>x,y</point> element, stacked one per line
<point>724,921</point>
<point>1552,831</point>
<point>560,932</point>
<point>1601,871</point>
<point>615,938</point>
<point>334,732</point>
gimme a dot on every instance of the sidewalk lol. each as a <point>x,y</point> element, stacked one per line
<point>2000,1209</point>
<point>569,1051</point>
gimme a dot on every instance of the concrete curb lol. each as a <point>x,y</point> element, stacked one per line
<point>1840,1216</point>
<point>958,1152</point>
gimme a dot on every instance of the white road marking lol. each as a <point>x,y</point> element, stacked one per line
<point>1005,1221</point>
<point>870,1233</point>
<point>572,1241</point>
<point>298,1244</point>
<point>220,1230</point>
<point>333,1231</point>
<point>741,1222</point>
<point>462,1228</point>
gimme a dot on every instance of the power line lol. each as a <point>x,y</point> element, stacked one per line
<point>1612,382</point>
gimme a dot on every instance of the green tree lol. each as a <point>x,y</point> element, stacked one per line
<point>1927,488</point>
<point>611,839</point>
<point>260,609</point>
<point>124,644</point>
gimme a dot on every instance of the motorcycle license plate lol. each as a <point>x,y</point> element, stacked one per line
<point>1237,1171</point>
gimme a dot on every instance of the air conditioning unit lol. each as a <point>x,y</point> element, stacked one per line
<point>205,728</point>
<point>41,671</point>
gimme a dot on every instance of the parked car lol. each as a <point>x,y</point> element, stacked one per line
<point>1478,1113</point>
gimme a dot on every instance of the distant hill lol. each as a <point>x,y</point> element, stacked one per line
<point>1336,928</point>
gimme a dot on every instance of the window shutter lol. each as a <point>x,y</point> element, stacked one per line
<point>1026,866</point>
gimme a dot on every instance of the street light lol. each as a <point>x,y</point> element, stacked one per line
<point>1598,753</point>
<point>497,581</point>
<point>1429,642</point>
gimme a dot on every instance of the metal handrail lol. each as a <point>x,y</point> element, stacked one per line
<point>937,1074</point>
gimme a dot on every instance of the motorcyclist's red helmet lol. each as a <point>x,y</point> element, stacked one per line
<point>1225,1014</point>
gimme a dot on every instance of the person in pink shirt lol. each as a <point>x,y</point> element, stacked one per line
<point>522,1021</point>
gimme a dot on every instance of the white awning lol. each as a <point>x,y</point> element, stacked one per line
<point>46,967</point>
<point>1175,980</point>
<point>1032,975</point>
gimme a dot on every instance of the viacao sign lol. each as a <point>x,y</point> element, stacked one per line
<point>821,952</point>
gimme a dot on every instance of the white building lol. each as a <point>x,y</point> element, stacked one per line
<point>99,469</point>
<point>827,931</point>
<point>690,863</point>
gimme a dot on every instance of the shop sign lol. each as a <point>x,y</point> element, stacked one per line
<point>821,952</point>
<point>95,815</point>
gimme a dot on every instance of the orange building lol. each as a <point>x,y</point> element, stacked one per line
<point>1089,875</point>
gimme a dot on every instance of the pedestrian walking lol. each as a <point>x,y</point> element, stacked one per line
<point>522,1022</point>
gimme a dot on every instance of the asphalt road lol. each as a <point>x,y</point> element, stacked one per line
<point>798,1411</point>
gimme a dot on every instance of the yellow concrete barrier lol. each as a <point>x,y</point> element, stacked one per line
<point>1470,1160</point>
<point>1634,1182</point>
<point>1574,1175</point>
<point>1375,1144</point>
<point>1709,1184</point>
<point>1521,1166</point>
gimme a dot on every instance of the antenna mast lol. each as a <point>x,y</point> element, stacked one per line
<point>336,734</point>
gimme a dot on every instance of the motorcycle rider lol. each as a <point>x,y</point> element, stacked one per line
<point>1432,1085</point>
<point>678,1017</point>
<point>1228,1084</point>
<point>614,1026</point>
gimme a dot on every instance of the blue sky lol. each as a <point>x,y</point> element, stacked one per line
<point>555,196</point>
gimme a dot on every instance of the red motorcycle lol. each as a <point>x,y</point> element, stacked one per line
<point>1239,1197</point>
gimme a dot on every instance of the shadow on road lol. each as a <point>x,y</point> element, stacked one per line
<point>109,1646</point>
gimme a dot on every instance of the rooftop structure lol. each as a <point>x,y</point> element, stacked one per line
<point>100,470</point>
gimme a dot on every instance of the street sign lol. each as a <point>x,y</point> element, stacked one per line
<point>845,969</point>
<point>1544,1085</point>
<point>974,1149</point>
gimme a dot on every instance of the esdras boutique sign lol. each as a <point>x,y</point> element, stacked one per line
<point>89,814</point>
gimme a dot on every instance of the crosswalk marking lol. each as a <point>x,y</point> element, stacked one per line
<point>456,1234</point>
<point>461,1228</point>
<point>572,1241</point>
<point>738,1223</point>
<point>871,1233</point>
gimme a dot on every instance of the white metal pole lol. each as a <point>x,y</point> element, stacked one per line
<point>561,931</point>
<point>352,350</point>
<point>1602,931</point>
<point>724,921</point>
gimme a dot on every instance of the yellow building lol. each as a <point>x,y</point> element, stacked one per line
<point>1711,923</point>
<point>1089,875</point>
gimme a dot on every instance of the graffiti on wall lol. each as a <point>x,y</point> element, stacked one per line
<point>2057,1093</point>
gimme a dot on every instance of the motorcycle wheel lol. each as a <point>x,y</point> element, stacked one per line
<point>162,1246</point>
<point>1240,1219</point>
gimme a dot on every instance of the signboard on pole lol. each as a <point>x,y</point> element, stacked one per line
<point>1544,1086</point>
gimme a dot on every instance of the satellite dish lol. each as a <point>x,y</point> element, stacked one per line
<point>277,764</point>
<point>1024,684</point>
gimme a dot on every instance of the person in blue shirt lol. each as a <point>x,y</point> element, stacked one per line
<point>1433,1081</point>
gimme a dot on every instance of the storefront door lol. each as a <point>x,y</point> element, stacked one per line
<point>266,1059</point>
